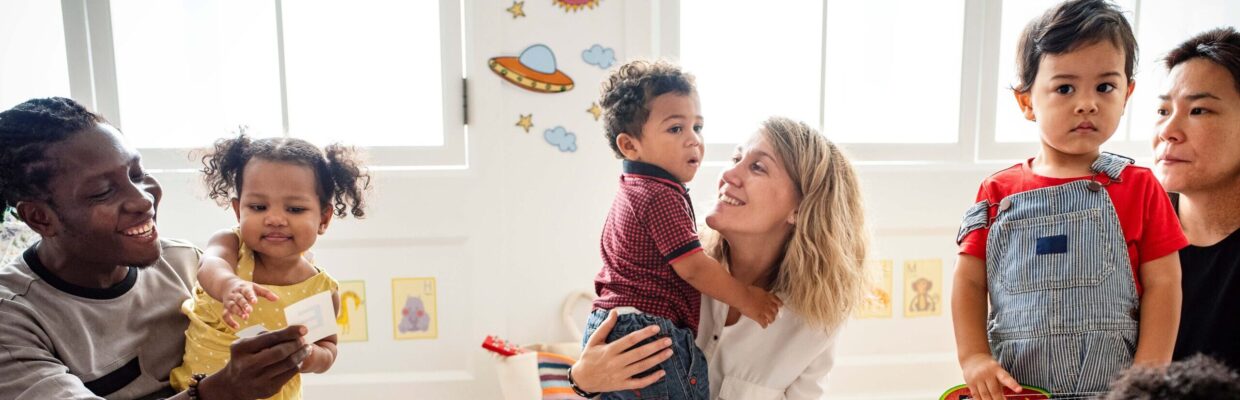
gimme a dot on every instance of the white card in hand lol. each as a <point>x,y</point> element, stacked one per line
<point>250,332</point>
<point>316,313</point>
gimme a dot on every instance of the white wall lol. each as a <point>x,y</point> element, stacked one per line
<point>510,236</point>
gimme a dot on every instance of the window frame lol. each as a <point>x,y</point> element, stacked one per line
<point>93,82</point>
<point>976,141</point>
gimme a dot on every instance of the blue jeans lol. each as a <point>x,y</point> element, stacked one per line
<point>686,373</point>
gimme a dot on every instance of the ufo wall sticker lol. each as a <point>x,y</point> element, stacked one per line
<point>534,69</point>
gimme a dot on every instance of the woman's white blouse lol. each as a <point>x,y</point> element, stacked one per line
<point>787,360</point>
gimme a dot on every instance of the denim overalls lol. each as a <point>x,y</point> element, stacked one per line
<point>1063,305</point>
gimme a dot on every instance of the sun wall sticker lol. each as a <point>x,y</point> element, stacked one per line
<point>535,69</point>
<point>574,5</point>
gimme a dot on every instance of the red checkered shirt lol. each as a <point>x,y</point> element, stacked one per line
<point>650,225</point>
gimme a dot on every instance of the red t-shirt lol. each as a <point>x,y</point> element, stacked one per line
<point>1146,217</point>
<point>649,226</point>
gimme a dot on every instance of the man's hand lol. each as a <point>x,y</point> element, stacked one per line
<point>259,366</point>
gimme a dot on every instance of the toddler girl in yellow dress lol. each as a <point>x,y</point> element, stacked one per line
<point>284,192</point>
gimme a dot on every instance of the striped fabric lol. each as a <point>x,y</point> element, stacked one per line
<point>1063,299</point>
<point>553,373</point>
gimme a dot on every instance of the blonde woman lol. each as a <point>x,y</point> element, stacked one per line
<point>789,219</point>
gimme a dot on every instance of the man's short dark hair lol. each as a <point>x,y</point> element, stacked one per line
<point>26,131</point>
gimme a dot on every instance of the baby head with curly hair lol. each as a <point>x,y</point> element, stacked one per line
<point>1198,378</point>
<point>652,115</point>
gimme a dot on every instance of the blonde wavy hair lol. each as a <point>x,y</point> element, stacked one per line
<point>822,273</point>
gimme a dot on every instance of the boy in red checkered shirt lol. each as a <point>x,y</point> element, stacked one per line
<point>654,269</point>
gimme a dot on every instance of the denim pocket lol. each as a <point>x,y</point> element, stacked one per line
<point>1052,252</point>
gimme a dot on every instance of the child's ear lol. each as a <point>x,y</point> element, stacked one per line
<point>1132,84</point>
<point>325,219</point>
<point>39,217</point>
<point>629,145</point>
<point>236,206</point>
<point>1025,101</point>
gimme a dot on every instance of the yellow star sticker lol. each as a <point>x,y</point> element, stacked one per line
<point>594,109</point>
<point>517,9</point>
<point>526,122</point>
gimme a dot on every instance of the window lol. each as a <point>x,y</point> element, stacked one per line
<point>189,72</point>
<point>373,76</point>
<point>30,30</point>
<point>901,80</point>
<point>893,71</point>
<point>752,62</point>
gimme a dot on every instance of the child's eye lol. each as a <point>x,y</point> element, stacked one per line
<point>675,129</point>
<point>697,128</point>
<point>296,210</point>
<point>1065,89</point>
<point>1105,88</point>
<point>258,207</point>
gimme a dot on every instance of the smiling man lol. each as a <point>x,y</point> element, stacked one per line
<point>93,309</point>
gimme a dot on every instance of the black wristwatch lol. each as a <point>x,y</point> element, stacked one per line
<point>192,391</point>
<point>578,390</point>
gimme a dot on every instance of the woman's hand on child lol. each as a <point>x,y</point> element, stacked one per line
<point>763,306</point>
<point>239,296</point>
<point>986,378</point>
<point>610,367</point>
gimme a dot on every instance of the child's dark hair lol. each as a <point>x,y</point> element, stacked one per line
<point>26,131</point>
<point>341,180</point>
<point>1067,27</point>
<point>1221,45</point>
<point>1196,378</point>
<point>627,94</point>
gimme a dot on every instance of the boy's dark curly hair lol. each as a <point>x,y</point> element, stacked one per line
<point>26,131</point>
<point>627,94</point>
<point>341,179</point>
<point>1197,378</point>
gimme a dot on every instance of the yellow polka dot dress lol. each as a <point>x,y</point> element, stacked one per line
<point>208,338</point>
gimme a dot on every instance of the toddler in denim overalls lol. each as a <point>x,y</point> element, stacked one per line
<point>1074,250</point>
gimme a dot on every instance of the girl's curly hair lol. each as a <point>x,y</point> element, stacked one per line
<point>341,177</point>
<point>627,94</point>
